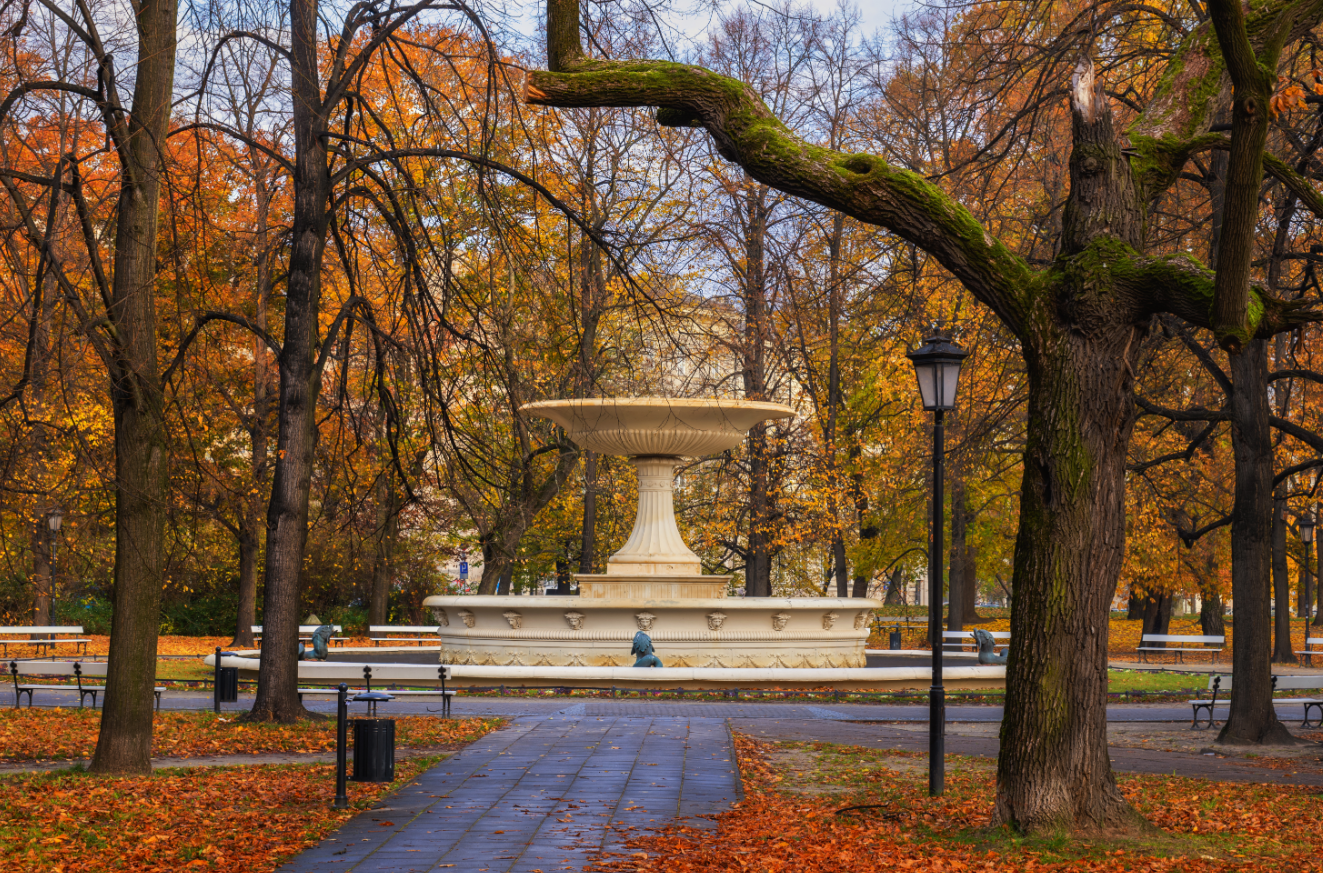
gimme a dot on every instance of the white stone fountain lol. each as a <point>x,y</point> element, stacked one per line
<point>654,583</point>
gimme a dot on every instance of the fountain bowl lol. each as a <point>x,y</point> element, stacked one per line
<point>662,426</point>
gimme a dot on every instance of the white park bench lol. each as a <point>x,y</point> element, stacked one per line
<point>45,636</point>
<point>1309,651</point>
<point>305,633</point>
<point>403,629</point>
<point>1181,644</point>
<point>443,673</point>
<point>61,668</point>
<point>958,639</point>
<point>1279,683</point>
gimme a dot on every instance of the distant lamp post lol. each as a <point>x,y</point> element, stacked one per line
<point>937,364</point>
<point>1307,537</point>
<point>54,521</point>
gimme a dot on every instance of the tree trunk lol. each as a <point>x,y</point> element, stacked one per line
<point>1211,618</point>
<point>894,596</point>
<point>383,564</point>
<point>1135,607</point>
<point>1251,718</point>
<point>124,744</point>
<point>969,585</point>
<point>840,570</point>
<point>1053,770</point>
<point>1157,616</point>
<point>1314,574</point>
<point>259,431</point>
<point>43,577</point>
<point>959,573</point>
<point>588,538</point>
<point>247,613</point>
<point>300,382</point>
<point>758,561</point>
<point>1282,652</point>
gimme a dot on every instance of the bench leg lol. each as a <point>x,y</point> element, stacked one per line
<point>158,700</point>
<point>1196,725</point>
<point>18,697</point>
<point>1307,723</point>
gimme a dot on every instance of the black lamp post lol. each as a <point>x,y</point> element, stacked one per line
<point>937,364</point>
<point>54,521</point>
<point>1307,538</point>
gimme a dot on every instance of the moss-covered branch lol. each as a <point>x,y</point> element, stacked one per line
<point>1184,287</point>
<point>745,130</point>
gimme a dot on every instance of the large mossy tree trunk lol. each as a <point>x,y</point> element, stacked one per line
<point>1054,770</point>
<point>1078,322</point>
<point>124,744</point>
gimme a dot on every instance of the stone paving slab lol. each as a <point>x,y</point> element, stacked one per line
<point>543,794</point>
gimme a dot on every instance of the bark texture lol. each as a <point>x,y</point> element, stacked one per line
<point>124,744</point>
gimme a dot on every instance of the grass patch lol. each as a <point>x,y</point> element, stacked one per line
<point>213,818</point>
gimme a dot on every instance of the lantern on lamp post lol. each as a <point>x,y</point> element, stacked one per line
<point>937,365</point>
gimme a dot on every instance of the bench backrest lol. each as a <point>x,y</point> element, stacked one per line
<point>303,628</point>
<point>55,668</point>
<point>403,629</point>
<point>969,635</point>
<point>47,631</point>
<point>1314,641</point>
<point>1284,683</point>
<point>1181,638</point>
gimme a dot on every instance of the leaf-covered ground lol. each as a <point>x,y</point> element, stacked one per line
<point>60,734</point>
<point>232,819</point>
<point>789,821</point>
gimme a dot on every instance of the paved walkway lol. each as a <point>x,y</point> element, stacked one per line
<point>545,794</point>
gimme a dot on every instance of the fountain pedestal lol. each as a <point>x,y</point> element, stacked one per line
<point>655,582</point>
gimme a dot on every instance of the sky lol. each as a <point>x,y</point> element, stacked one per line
<point>876,14</point>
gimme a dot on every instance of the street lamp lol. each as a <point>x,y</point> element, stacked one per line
<point>1307,537</point>
<point>54,521</point>
<point>937,364</point>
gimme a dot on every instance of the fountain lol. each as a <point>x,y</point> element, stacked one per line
<point>655,582</point>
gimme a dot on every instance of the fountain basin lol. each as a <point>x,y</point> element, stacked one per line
<point>690,632</point>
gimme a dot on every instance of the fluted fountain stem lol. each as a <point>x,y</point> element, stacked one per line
<point>655,546</point>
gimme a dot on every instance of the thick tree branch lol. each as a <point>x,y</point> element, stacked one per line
<point>744,129</point>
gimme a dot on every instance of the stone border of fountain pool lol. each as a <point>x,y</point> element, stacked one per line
<point>843,678</point>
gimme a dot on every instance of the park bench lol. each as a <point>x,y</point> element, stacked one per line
<point>1309,651</point>
<point>61,668</point>
<point>443,673</point>
<point>1182,645</point>
<point>46,637</point>
<point>305,633</point>
<point>962,637</point>
<point>1279,683</point>
<point>403,629</point>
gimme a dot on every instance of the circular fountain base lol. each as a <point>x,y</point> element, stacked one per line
<point>513,631</point>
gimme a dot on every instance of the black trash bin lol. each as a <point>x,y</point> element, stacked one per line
<point>374,749</point>
<point>895,638</point>
<point>227,684</point>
